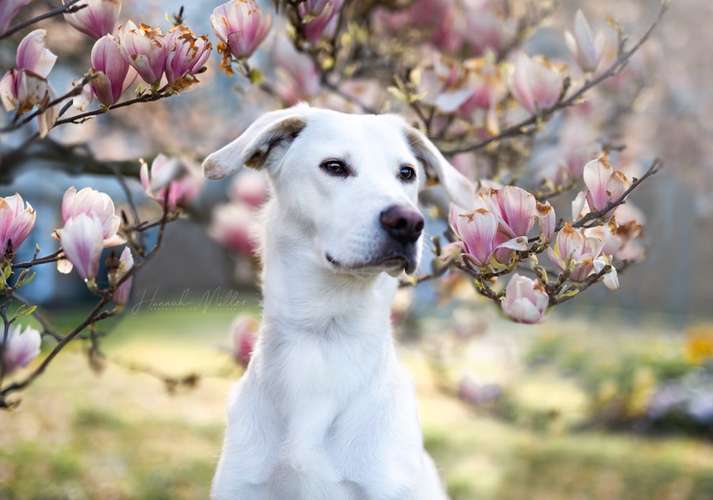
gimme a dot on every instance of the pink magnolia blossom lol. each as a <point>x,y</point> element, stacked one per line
<point>187,54</point>
<point>82,242</point>
<point>535,85</point>
<point>604,184</point>
<point>144,48</point>
<point>486,30</point>
<point>20,347</point>
<point>26,86</point>
<point>8,10</point>
<point>123,291</point>
<point>317,16</point>
<point>479,237</point>
<point>586,48</point>
<point>547,220</point>
<point>171,181</point>
<point>234,227</point>
<point>437,17</point>
<point>112,71</point>
<point>297,76</point>
<point>517,210</point>
<point>17,219</point>
<point>581,254</point>
<point>97,205</point>
<point>244,332</point>
<point>525,300</point>
<point>250,187</point>
<point>241,27</point>
<point>97,19</point>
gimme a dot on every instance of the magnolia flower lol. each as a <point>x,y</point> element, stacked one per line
<point>25,86</point>
<point>97,19</point>
<point>580,253</point>
<point>535,85</point>
<point>20,348</point>
<point>517,210</point>
<point>234,227</point>
<point>525,300</point>
<point>170,181</point>
<point>97,205</point>
<point>487,29</point>
<point>112,71</point>
<point>585,47</point>
<point>244,334</point>
<point>250,187</point>
<point>8,10</point>
<point>316,16</point>
<point>122,292</point>
<point>82,242</point>
<point>17,219</point>
<point>478,233</point>
<point>187,54</point>
<point>297,76</point>
<point>604,184</point>
<point>144,48</point>
<point>547,220</point>
<point>241,27</point>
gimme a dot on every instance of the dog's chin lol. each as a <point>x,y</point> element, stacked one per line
<point>392,264</point>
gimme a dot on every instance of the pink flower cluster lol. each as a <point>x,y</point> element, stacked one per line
<point>500,224</point>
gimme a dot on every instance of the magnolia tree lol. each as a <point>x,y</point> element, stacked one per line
<point>539,135</point>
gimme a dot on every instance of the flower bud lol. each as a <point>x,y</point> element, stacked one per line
<point>20,348</point>
<point>525,300</point>
<point>585,47</point>
<point>17,219</point>
<point>169,174</point>
<point>111,70</point>
<point>317,16</point>
<point>123,291</point>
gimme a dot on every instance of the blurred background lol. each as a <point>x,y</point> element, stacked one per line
<point>610,398</point>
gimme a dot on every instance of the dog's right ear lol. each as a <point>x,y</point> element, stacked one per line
<point>261,145</point>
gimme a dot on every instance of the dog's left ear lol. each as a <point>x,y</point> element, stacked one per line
<point>459,189</point>
<point>260,144</point>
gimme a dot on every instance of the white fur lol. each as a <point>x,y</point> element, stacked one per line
<point>325,411</point>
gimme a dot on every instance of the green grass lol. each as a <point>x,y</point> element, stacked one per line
<point>120,435</point>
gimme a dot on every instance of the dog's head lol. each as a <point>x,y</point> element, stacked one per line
<point>347,183</point>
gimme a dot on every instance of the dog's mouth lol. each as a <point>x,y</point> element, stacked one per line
<point>393,264</point>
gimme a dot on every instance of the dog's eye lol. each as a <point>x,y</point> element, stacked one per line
<point>335,168</point>
<point>407,173</point>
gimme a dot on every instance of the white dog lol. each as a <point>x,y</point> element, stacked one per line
<point>325,411</point>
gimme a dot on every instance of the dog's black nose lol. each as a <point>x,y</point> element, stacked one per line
<point>403,223</point>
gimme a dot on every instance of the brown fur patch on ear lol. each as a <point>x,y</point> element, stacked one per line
<point>419,148</point>
<point>287,129</point>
